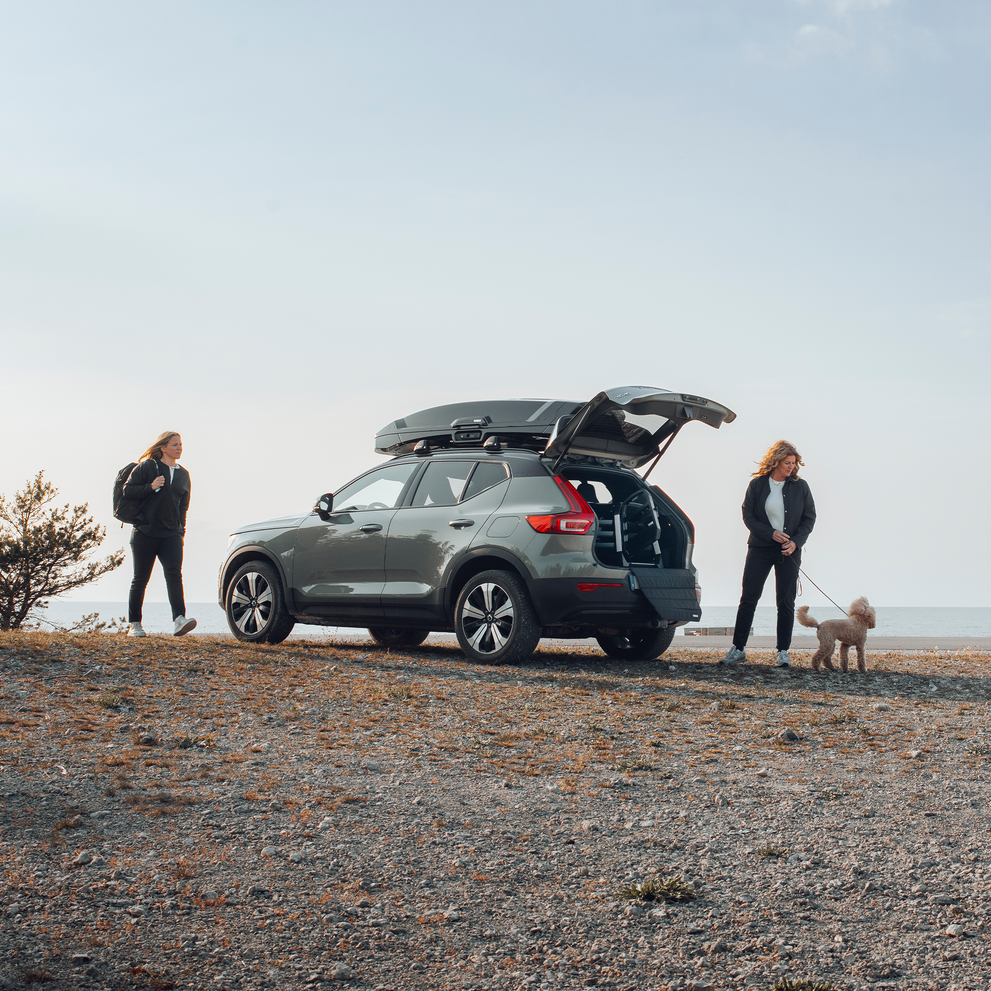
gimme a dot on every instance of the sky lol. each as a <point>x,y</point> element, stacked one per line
<point>277,227</point>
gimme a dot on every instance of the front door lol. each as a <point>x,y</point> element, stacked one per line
<point>339,563</point>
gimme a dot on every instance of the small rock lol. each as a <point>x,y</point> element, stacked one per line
<point>341,972</point>
<point>371,766</point>
<point>956,930</point>
<point>84,857</point>
<point>136,911</point>
<point>762,773</point>
<point>78,959</point>
<point>268,851</point>
<point>788,736</point>
<point>296,857</point>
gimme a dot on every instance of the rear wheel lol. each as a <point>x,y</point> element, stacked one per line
<point>256,606</point>
<point>394,637</point>
<point>494,619</point>
<point>638,645</point>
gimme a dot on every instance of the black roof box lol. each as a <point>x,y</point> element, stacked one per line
<point>523,422</point>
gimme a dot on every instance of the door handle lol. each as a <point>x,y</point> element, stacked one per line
<point>370,527</point>
<point>461,524</point>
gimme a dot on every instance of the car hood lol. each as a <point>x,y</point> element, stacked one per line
<point>630,425</point>
<point>281,523</point>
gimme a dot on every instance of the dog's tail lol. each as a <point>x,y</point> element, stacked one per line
<point>805,619</point>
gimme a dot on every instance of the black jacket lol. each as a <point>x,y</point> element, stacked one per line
<point>800,511</point>
<point>164,511</point>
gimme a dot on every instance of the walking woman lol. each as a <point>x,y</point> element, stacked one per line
<point>162,487</point>
<point>780,514</point>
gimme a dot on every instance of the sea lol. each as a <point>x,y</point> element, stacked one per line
<point>895,621</point>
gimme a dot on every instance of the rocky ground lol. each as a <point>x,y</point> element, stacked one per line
<point>198,814</point>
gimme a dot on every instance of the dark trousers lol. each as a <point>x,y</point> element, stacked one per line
<point>144,550</point>
<point>760,560</point>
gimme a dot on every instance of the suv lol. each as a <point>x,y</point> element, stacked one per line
<point>503,522</point>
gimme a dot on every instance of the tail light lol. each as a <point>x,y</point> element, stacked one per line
<point>579,520</point>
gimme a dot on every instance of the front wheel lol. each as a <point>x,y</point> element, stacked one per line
<point>638,644</point>
<point>393,637</point>
<point>494,619</point>
<point>256,606</point>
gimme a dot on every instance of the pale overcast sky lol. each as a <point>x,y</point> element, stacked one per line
<point>276,227</point>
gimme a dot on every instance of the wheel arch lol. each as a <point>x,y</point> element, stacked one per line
<point>243,556</point>
<point>475,562</point>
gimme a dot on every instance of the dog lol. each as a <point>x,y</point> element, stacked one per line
<point>851,632</point>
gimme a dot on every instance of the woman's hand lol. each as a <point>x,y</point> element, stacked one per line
<point>780,537</point>
<point>789,548</point>
<point>158,482</point>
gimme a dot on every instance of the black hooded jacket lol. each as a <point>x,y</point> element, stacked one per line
<point>164,511</point>
<point>800,511</point>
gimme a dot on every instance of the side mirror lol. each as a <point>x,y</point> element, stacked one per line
<point>324,506</point>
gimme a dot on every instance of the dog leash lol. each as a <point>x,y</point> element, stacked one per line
<point>841,609</point>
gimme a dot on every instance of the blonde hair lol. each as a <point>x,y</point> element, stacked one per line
<point>776,453</point>
<point>155,451</point>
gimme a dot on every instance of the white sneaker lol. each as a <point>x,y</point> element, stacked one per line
<point>183,625</point>
<point>135,630</point>
<point>783,660</point>
<point>733,656</point>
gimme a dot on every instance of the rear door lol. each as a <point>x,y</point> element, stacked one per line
<point>452,502</point>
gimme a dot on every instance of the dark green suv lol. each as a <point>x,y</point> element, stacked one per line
<point>502,521</point>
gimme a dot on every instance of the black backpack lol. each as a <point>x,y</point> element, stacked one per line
<point>127,510</point>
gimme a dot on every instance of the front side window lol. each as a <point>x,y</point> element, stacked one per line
<point>379,489</point>
<point>441,483</point>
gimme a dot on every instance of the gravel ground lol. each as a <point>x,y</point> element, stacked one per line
<point>199,814</point>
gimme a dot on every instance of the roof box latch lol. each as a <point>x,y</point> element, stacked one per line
<point>468,429</point>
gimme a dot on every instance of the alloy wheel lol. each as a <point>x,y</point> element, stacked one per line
<point>251,603</point>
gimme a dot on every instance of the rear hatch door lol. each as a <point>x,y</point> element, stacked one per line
<point>630,425</point>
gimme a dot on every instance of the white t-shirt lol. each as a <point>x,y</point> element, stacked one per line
<point>775,505</point>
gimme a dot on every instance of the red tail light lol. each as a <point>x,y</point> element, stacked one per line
<point>580,520</point>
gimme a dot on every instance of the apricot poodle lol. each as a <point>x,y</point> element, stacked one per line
<point>851,632</point>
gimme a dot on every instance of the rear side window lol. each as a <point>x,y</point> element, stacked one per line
<point>485,475</point>
<point>441,483</point>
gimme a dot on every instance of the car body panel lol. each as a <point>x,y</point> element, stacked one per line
<point>339,568</point>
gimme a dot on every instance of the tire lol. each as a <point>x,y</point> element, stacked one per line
<point>256,605</point>
<point>394,637</point>
<point>638,644</point>
<point>494,619</point>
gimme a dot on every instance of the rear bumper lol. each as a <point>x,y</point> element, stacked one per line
<point>562,602</point>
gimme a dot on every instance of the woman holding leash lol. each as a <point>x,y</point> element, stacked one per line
<point>779,513</point>
<point>162,486</point>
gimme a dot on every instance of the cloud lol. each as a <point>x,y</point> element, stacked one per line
<point>867,33</point>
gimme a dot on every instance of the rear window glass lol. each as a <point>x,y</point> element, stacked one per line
<point>485,475</point>
<point>441,483</point>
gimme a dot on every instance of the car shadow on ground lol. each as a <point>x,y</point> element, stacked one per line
<point>678,667</point>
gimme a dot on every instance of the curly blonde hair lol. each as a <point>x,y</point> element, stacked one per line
<point>776,453</point>
<point>155,450</point>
